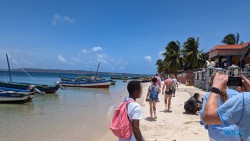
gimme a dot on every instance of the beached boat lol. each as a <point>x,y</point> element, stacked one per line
<point>11,96</point>
<point>17,95</point>
<point>145,80</point>
<point>63,78</point>
<point>87,84</point>
<point>80,78</point>
<point>118,78</point>
<point>113,82</point>
<point>25,86</point>
<point>134,78</point>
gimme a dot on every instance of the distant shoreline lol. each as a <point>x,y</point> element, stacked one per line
<point>38,70</point>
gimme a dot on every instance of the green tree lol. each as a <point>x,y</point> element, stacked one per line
<point>191,54</point>
<point>231,39</point>
<point>204,57</point>
<point>160,67</point>
<point>172,57</point>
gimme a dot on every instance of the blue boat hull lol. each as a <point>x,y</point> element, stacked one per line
<point>15,95</point>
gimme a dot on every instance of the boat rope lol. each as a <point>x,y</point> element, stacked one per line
<point>19,67</point>
<point>24,71</point>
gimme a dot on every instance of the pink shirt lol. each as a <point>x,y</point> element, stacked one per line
<point>158,81</point>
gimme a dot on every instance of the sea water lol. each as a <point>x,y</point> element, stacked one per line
<point>72,114</point>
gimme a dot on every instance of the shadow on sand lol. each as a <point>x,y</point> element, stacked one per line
<point>150,119</point>
<point>188,113</point>
<point>166,111</point>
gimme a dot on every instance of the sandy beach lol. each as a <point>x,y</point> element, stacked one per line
<point>170,126</point>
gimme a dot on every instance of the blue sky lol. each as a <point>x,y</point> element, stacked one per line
<point>124,35</point>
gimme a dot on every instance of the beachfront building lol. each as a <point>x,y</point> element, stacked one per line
<point>228,55</point>
<point>223,56</point>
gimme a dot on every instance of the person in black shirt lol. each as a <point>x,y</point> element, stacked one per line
<point>193,104</point>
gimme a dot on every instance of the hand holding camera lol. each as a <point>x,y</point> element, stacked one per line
<point>221,80</point>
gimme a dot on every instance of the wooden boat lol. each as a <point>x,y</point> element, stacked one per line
<point>118,78</point>
<point>134,78</point>
<point>17,95</point>
<point>63,78</point>
<point>145,80</point>
<point>113,82</point>
<point>25,86</point>
<point>80,78</point>
<point>11,96</point>
<point>89,77</point>
<point>87,84</point>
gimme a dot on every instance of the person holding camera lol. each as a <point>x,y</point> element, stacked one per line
<point>217,132</point>
<point>235,110</point>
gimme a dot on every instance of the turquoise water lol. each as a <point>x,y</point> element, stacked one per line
<point>72,114</point>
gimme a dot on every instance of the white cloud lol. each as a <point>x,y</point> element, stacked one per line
<point>88,60</point>
<point>148,58</point>
<point>57,19</point>
<point>84,50</point>
<point>76,59</point>
<point>160,54</point>
<point>61,59</point>
<point>17,58</point>
<point>68,19</point>
<point>103,58</point>
<point>95,49</point>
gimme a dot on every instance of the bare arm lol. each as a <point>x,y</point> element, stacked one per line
<point>210,115</point>
<point>164,85</point>
<point>147,95</point>
<point>136,130</point>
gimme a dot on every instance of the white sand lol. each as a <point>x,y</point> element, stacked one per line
<point>169,126</point>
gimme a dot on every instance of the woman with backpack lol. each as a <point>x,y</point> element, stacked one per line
<point>152,96</point>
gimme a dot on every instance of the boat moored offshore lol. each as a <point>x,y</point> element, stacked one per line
<point>87,84</point>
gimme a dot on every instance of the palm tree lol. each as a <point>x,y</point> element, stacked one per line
<point>173,60</point>
<point>204,58</point>
<point>231,39</point>
<point>191,54</point>
<point>160,66</point>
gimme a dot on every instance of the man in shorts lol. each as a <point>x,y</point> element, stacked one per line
<point>168,92</point>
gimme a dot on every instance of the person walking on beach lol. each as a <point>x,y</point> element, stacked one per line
<point>134,110</point>
<point>158,80</point>
<point>235,110</point>
<point>152,97</point>
<point>168,92</point>
<point>217,132</point>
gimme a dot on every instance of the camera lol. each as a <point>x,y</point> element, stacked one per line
<point>234,81</point>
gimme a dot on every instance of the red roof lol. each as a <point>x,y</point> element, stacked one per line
<point>232,47</point>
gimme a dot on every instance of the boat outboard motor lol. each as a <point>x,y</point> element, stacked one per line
<point>59,84</point>
<point>32,88</point>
